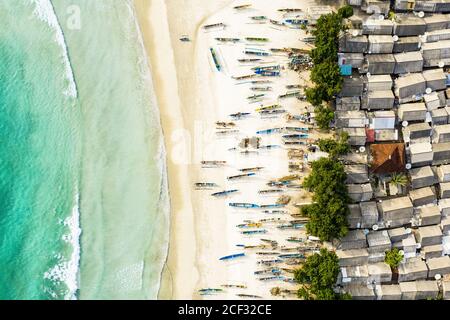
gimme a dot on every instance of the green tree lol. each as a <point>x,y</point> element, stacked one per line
<point>323,116</point>
<point>345,11</point>
<point>328,212</point>
<point>318,276</point>
<point>335,147</point>
<point>393,257</point>
<point>327,78</point>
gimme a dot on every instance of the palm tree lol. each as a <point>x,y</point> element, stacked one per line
<point>399,179</point>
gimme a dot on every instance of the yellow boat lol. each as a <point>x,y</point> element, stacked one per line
<point>271,107</point>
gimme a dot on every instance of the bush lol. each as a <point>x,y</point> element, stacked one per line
<point>393,258</point>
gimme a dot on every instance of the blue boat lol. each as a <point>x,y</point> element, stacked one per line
<point>265,73</point>
<point>297,21</point>
<point>232,256</point>
<point>243,205</point>
<point>269,131</point>
<point>256,53</point>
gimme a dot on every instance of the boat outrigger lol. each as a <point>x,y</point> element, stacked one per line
<point>216,61</point>
<point>232,256</point>
<point>224,193</point>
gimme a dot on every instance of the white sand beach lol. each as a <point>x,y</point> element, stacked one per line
<point>193,95</point>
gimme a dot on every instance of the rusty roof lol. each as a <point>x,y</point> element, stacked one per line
<point>387,157</point>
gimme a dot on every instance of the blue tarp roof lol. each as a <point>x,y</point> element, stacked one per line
<point>346,69</point>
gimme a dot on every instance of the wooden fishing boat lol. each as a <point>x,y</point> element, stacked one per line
<point>277,23</point>
<point>184,38</point>
<point>267,68</point>
<point>295,136</point>
<point>223,124</point>
<point>265,73</point>
<point>260,81</point>
<point>215,59</point>
<point>289,94</point>
<point>271,278</point>
<point>268,271</point>
<point>267,253</point>
<point>248,76</point>
<point>226,132</point>
<point>257,39</point>
<point>271,107</point>
<point>269,262</point>
<point>210,290</point>
<point>242,7</point>
<point>239,115</point>
<point>270,206</point>
<point>251,296</point>
<point>290,10</point>
<point>269,147</point>
<point>243,205</point>
<point>256,52</point>
<point>251,169</point>
<point>259,18</point>
<point>232,256</point>
<point>249,60</point>
<point>261,88</point>
<point>239,176</point>
<point>275,211</point>
<point>224,193</point>
<point>270,191</point>
<point>269,131</point>
<point>233,40</point>
<point>250,232</point>
<point>297,129</point>
<point>295,239</point>
<point>213,163</point>
<point>205,185</point>
<point>293,86</point>
<point>237,286</point>
<point>214,25</point>
<point>272,112</point>
<point>250,225</point>
<point>247,152</point>
<point>255,96</point>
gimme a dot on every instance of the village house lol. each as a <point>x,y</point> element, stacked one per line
<point>377,26</point>
<point>444,190</point>
<point>412,112</point>
<point>409,86</point>
<point>383,63</point>
<point>436,53</point>
<point>422,196</point>
<point>437,35</point>
<point>354,274</point>
<point>412,269</point>
<point>387,158</point>
<point>408,62</point>
<point>348,104</point>
<point>356,136</point>
<point>352,86</point>
<point>420,154</point>
<point>409,25</point>
<point>396,212</point>
<point>353,257</point>
<point>379,82</point>
<point>441,153</point>
<point>380,44</point>
<point>440,265</point>
<point>378,100</point>
<point>379,272</point>
<point>416,131</point>
<point>360,192</point>
<point>429,235</point>
<point>419,290</point>
<point>435,79</point>
<point>429,215</point>
<point>437,22</point>
<point>407,44</point>
<point>443,173</point>
<point>422,177</point>
<point>359,292</point>
<point>388,292</point>
<point>357,173</point>
<point>439,116</point>
<point>441,134</point>
<point>434,251</point>
<point>355,239</point>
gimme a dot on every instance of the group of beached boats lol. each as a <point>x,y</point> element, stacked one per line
<point>272,212</point>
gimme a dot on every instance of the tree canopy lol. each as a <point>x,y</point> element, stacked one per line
<point>328,212</point>
<point>335,147</point>
<point>318,276</point>
<point>346,11</point>
<point>393,257</point>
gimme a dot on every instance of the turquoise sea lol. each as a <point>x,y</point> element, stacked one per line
<point>83,190</point>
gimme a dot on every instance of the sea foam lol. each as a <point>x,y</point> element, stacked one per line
<point>67,269</point>
<point>46,12</point>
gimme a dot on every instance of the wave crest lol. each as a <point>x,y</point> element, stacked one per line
<point>45,11</point>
